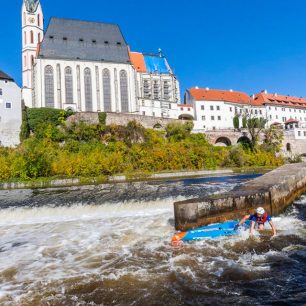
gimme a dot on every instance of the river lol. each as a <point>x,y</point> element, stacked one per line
<point>110,246</point>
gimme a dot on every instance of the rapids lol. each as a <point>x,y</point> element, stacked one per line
<point>92,246</point>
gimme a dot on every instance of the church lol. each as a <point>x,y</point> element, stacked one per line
<point>88,67</point>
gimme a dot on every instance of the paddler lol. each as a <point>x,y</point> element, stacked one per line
<point>258,221</point>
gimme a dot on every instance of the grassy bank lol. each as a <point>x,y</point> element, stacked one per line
<point>53,148</point>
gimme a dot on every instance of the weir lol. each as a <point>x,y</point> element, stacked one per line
<point>274,191</point>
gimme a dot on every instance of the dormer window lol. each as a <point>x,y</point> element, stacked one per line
<point>94,41</point>
<point>118,43</point>
<point>81,40</point>
<point>106,42</point>
<point>65,38</point>
<point>51,36</point>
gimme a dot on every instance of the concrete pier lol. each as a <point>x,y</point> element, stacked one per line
<point>274,191</point>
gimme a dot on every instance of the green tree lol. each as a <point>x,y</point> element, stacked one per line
<point>236,122</point>
<point>273,139</point>
<point>255,126</point>
<point>244,122</point>
<point>177,131</point>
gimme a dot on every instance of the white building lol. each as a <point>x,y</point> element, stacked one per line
<point>158,90</point>
<point>10,111</point>
<point>87,67</point>
<point>216,109</point>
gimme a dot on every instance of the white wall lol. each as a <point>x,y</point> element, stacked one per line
<point>158,106</point>
<point>98,104</point>
<point>10,118</point>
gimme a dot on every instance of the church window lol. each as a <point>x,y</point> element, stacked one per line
<point>107,97</point>
<point>1,92</point>
<point>146,89</point>
<point>166,90</point>
<point>25,37</point>
<point>38,20</point>
<point>49,86</point>
<point>156,90</point>
<point>38,37</point>
<point>88,90</point>
<point>25,61</point>
<point>79,86</point>
<point>32,60</point>
<point>32,37</point>
<point>69,85</point>
<point>24,18</point>
<point>59,85</point>
<point>124,91</point>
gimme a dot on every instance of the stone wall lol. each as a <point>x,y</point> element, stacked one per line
<point>121,119</point>
<point>274,191</point>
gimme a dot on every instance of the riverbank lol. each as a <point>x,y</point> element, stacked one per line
<point>74,182</point>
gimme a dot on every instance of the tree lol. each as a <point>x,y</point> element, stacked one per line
<point>236,122</point>
<point>244,122</point>
<point>255,126</point>
<point>176,131</point>
<point>274,137</point>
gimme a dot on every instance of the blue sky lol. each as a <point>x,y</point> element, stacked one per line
<point>245,45</point>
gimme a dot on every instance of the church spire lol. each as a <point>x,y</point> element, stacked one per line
<point>32,36</point>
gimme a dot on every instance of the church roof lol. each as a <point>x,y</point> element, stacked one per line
<point>150,63</point>
<point>4,76</point>
<point>84,40</point>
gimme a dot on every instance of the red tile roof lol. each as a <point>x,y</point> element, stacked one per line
<point>137,60</point>
<point>266,98</point>
<point>201,94</point>
<point>291,120</point>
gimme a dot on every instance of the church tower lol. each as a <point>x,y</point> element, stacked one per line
<point>32,36</point>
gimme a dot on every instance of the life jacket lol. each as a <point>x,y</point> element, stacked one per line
<point>263,219</point>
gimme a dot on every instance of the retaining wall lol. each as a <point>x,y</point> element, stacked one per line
<point>274,191</point>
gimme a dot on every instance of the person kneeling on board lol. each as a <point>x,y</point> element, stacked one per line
<point>258,220</point>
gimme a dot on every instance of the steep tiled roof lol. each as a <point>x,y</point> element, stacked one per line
<point>266,98</point>
<point>4,76</point>
<point>201,94</point>
<point>138,61</point>
<point>84,40</point>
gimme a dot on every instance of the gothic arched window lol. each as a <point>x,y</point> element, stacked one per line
<point>38,20</point>
<point>124,92</point>
<point>25,37</point>
<point>69,85</point>
<point>49,87</point>
<point>88,90</point>
<point>32,37</point>
<point>32,60</point>
<point>107,95</point>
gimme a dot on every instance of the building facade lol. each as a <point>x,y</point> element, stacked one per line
<point>158,90</point>
<point>216,109</point>
<point>10,111</point>
<point>87,67</point>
